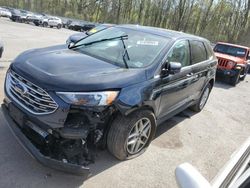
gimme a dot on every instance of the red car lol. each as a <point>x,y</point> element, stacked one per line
<point>233,61</point>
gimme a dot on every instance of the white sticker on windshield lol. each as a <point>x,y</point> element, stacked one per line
<point>138,64</point>
<point>148,43</point>
<point>240,53</point>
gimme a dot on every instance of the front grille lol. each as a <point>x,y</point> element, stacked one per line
<point>28,95</point>
<point>222,62</point>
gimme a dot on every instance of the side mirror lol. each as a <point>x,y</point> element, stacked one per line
<point>171,68</point>
<point>174,67</point>
<point>70,44</point>
<point>187,176</point>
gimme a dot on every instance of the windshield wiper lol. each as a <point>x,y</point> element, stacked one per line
<point>125,52</point>
<point>122,38</point>
<point>102,40</point>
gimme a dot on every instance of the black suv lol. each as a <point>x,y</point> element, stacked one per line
<point>110,89</point>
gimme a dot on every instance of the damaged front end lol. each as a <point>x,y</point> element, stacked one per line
<point>83,132</point>
<point>70,148</point>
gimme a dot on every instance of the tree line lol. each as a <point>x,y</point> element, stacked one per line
<point>224,20</point>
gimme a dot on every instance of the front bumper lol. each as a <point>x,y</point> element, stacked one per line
<point>35,153</point>
<point>225,72</point>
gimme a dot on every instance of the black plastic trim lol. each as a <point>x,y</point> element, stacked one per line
<point>35,153</point>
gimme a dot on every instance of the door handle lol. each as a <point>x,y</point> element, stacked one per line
<point>190,74</point>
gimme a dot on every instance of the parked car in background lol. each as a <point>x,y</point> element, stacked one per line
<point>235,174</point>
<point>65,22</point>
<point>18,15</point>
<point>81,26</point>
<point>233,61</point>
<point>5,12</point>
<point>110,89</point>
<point>27,14</point>
<point>50,21</point>
<point>78,36</point>
<point>35,18</point>
<point>76,25</point>
<point>87,27</point>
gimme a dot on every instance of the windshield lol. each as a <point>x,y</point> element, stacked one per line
<point>142,48</point>
<point>230,50</point>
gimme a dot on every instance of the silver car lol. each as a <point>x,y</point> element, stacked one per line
<point>4,12</point>
<point>236,173</point>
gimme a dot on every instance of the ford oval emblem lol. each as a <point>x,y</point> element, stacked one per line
<point>20,88</point>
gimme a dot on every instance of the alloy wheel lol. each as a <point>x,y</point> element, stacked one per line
<point>138,136</point>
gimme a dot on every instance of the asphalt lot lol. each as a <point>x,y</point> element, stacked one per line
<point>206,140</point>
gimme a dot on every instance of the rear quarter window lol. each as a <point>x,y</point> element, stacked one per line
<point>198,52</point>
<point>209,49</point>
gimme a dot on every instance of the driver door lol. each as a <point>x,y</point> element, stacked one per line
<point>175,89</point>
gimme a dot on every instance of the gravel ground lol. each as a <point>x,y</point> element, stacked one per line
<point>206,140</point>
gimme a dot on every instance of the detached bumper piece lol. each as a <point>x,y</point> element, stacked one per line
<point>34,152</point>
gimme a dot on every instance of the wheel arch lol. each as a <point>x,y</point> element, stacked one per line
<point>143,107</point>
<point>211,82</point>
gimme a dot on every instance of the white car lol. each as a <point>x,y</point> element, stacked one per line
<point>51,22</point>
<point>235,174</point>
<point>4,12</point>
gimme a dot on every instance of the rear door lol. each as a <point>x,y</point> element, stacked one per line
<point>203,62</point>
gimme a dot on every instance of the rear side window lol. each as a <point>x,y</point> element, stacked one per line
<point>209,49</point>
<point>198,52</point>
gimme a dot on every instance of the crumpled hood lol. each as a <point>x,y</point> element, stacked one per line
<point>58,68</point>
<point>229,57</point>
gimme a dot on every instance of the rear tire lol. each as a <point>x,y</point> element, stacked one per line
<point>129,136</point>
<point>59,26</point>
<point>235,79</point>
<point>203,99</point>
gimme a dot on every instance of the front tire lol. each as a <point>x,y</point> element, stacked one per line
<point>129,136</point>
<point>244,74</point>
<point>203,99</point>
<point>45,24</point>
<point>235,79</point>
<point>59,26</point>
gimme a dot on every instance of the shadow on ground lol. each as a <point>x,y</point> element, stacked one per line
<point>18,167</point>
<point>223,83</point>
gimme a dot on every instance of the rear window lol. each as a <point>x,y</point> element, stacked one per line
<point>198,52</point>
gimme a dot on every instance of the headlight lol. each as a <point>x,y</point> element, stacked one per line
<point>89,98</point>
<point>231,64</point>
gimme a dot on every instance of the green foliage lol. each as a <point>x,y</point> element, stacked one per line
<point>224,20</point>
